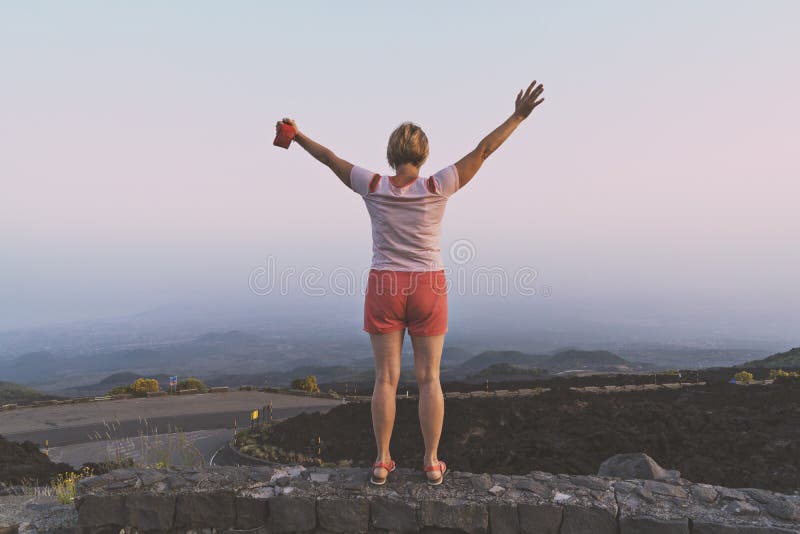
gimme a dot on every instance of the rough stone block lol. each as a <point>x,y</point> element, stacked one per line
<point>106,529</point>
<point>393,514</point>
<point>481,482</point>
<point>631,465</point>
<point>590,482</point>
<point>534,486</point>
<point>783,509</point>
<point>95,510</point>
<point>150,512</point>
<point>292,514</point>
<point>702,527</point>
<point>458,514</point>
<point>582,519</point>
<point>343,515</point>
<point>503,518</point>
<point>649,525</point>
<point>704,493</point>
<point>205,510</point>
<point>542,518</point>
<point>741,508</point>
<point>663,488</point>
<point>731,494</point>
<point>250,513</point>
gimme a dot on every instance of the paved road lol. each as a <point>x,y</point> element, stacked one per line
<point>81,423</point>
<point>188,448</point>
<point>225,456</point>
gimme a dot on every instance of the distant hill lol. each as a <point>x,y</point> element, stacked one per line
<point>227,352</point>
<point>568,360</point>
<point>783,360</point>
<point>512,357</point>
<point>112,381</point>
<point>505,371</point>
<point>494,365</point>
<point>323,373</point>
<point>28,367</point>
<point>451,356</point>
<point>118,379</point>
<point>455,356</point>
<point>11,393</point>
<point>595,360</point>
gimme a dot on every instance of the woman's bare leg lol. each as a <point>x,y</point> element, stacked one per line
<point>387,349</point>
<point>427,358</point>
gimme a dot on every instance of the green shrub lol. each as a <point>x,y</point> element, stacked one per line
<point>120,390</point>
<point>780,373</point>
<point>144,385</point>
<point>743,376</point>
<point>192,383</point>
<point>308,383</point>
<point>66,484</point>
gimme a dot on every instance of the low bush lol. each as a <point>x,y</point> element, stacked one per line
<point>308,383</point>
<point>192,383</point>
<point>144,385</point>
<point>743,376</point>
<point>66,484</point>
<point>780,373</point>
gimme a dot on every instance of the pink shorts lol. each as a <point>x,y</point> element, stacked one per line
<point>399,299</point>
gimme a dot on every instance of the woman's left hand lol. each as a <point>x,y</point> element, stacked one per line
<point>287,121</point>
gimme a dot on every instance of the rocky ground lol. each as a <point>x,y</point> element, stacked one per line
<point>736,436</point>
<point>36,514</point>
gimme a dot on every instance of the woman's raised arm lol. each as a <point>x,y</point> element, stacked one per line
<point>469,164</point>
<point>322,154</point>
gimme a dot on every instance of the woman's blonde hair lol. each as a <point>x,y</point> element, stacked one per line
<point>407,144</point>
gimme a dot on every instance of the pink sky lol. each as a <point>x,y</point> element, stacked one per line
<point>137,165</point>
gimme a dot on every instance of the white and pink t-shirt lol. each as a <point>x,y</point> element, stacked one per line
<point>406,221</point>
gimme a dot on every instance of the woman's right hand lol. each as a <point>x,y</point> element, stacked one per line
<point>526,102</point>
<point>287,121</point>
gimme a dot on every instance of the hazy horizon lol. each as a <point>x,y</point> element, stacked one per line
<point>657,184</point>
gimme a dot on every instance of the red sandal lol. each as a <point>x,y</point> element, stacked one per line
<point>441,466</point>
<point>389,466</point>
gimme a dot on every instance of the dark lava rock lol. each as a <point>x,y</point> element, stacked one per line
<point>24,461</point>
<point>635,465</point>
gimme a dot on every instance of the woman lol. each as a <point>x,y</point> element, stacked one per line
<point>406,287</point>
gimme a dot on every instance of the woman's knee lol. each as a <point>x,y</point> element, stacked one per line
<point>426,376</point>
<point>386,379</point>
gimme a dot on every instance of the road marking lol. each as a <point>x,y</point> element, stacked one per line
<point>211,461</point>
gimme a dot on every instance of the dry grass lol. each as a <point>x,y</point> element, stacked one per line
<point>150,448</point>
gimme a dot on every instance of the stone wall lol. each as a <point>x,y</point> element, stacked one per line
<point>295,499</point>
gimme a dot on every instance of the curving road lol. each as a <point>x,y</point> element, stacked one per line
<point>149,427</point>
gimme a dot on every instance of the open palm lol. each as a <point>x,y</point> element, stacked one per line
<point>526,102</point>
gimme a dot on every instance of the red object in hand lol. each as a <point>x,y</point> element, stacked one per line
<point>285,135</point>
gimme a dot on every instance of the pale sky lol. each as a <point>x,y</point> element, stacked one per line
<point>137,166</point>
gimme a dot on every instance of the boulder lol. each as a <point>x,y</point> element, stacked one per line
<point>635,465</point>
